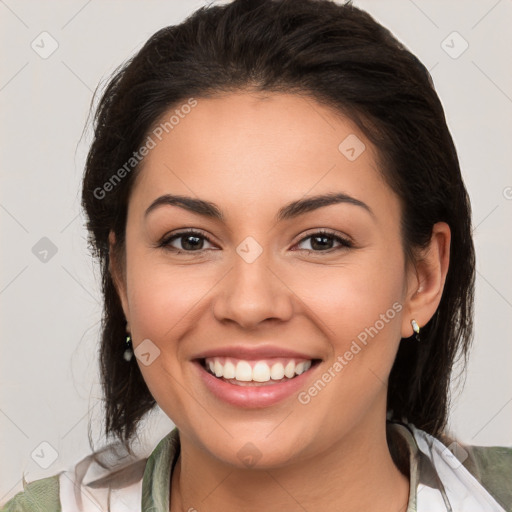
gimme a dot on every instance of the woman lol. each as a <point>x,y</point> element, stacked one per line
<point>285,243</point>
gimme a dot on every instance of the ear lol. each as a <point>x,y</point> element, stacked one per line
<point>426,278</point>
<point>116,270</point>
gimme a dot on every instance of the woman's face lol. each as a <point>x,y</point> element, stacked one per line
<point>264,279</point>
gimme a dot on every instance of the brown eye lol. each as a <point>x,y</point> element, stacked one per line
<point>322,241</point>
<point>190,241</point>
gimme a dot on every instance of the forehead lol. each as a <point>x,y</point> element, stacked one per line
<point>244,149</point>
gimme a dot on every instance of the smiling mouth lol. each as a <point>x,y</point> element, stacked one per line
<point>256,373</point>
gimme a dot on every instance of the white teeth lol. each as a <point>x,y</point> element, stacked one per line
<point>218,369</point>
<point>277,371</point>
<point>300,368</point>
<point>259,371</point>
<point>289,370</point>
<point>243,371</point>
<point>229,370</point>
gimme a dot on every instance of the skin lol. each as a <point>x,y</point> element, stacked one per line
<point>251,154</point>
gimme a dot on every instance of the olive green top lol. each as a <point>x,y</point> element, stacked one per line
<point>450,477</point>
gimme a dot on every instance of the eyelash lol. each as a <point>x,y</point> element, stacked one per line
<point>164,243</point>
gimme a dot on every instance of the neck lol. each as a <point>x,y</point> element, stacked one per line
<point>356,473</point>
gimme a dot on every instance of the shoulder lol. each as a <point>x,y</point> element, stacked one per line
<point>38,495</point>
<point>112,478</point>
<point>100,481</point>
<point>492,467</point>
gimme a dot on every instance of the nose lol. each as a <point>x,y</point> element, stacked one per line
<point>252,293</point>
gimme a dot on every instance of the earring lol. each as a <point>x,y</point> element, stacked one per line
<point>128,353</point>
<point>416,329</point>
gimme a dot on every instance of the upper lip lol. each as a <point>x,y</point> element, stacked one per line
<point>252,352</point>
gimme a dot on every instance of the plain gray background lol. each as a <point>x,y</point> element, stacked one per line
<point>50,309</point>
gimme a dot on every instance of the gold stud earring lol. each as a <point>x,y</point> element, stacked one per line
<point>128,353</point>
<point>416,329</point>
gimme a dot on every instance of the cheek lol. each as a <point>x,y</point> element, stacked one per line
<point>351,297</point>
<point>164,301</point>
<point>161,296</point>
<point>360,308</point>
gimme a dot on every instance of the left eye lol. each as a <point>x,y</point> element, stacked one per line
<point>320,241</point>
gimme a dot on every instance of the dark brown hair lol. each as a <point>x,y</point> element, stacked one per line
<point>340,56</point>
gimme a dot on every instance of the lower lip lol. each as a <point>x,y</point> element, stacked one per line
<point>253,396</point>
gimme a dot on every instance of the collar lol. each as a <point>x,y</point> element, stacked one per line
<point>156,482</point>
<point>439,482</point>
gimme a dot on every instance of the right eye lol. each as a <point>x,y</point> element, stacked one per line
<point>191,241</point>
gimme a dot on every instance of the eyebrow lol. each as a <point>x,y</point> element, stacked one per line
<point>289,211</point>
